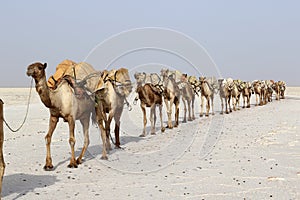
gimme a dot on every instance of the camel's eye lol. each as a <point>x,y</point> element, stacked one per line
<point>40,68</point>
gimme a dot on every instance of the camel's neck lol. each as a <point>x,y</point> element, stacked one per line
<point>43,91</point>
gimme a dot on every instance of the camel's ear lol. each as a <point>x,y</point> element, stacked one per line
<point>45,65</point>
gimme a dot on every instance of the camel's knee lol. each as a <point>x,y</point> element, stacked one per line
<point>72,141</point>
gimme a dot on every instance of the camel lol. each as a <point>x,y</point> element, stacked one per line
<point>171,96</point>
<point>110,100</point>
<point>225,86</point>
<point>276,88</point>
<point>269,90</point>
<point>63,103</point>
<point>236,93</point>
<point>2,163</point>
<point>259,90</point>
<point>151,97</point>
<point>246,93</point>
<point>282,87</point>
<point>188,98</point>
<point>207,92</point>
<point>194,82</point>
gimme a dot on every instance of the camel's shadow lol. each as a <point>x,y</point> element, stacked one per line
<point>95,151</point>
<point>21,183</point>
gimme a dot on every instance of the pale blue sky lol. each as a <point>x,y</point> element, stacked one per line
<point>247,39</point>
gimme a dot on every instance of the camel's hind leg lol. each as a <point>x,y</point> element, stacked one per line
<point>85,122</point>
<point>144,119</point>
<point>72,141</point>
<point>161,121</point>
<point>52,125</point>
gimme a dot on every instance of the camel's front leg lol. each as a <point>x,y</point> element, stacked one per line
<point>234,103</point>
<point>185,110</point>
<point>222,105</point>
<point>85,122</point>
<point>238,102</point>
<point>256,99</point>
<point>143,107</point>
<point>161,121</point>
<point>201,105</point>
<point>117,118</point>
<point>169,112</point>
<point>189,110</point>
<point>107,128</point>
<point>229,104</point>
<point>72,141</point>
<point>176,113</point>
<point>207,106</point>
<point>212,104</point>
<point>101,118</point>
<point>193,109</point>
<point>52,125</point>
<point>152,119</point>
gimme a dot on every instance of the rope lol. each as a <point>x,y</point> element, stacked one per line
<point>16,130</point>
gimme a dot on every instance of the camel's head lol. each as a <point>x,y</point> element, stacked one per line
<point>281,85</point>
<point>36,70</point>
<point>124,85</point>
<point>164,73</point>
<point>202,79</point>
<point>140,77</point>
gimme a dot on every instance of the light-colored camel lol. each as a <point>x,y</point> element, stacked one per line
<point>2,163</point>
<point>236,94</point>
<point>110,103</point>
<point>225,88</point>
<point>259,90</point>
<point>188,99</point>
<point>171,96</point>
<point>149,96</point>
<point>63,103</point>
<point>246,93</point>
<point>207,92</point>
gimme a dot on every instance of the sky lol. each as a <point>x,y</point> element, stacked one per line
<point>247,40</point>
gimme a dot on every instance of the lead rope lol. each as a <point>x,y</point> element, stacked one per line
<point>16,130</point>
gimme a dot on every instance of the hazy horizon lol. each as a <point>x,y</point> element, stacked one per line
<point>247,40</point>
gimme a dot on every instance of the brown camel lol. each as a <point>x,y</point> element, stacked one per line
<point>151,97</point>
<point>110,99</point>
<point>2,164</point>
<point>63,103</point>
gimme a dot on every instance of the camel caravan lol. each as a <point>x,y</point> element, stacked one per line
<point>77,91</point>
